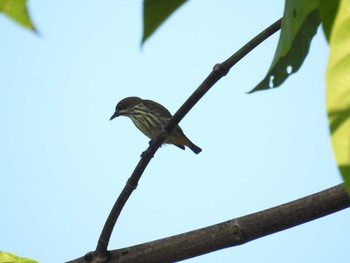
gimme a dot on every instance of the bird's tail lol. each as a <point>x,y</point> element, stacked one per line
<point>194,148</point>
<point>182,141</point>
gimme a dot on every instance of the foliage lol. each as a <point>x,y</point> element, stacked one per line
<point>155,12</point>
<point>328,10</point>
<point>12,258</point>
<point>17,10</point>
<point>299,24</point>
<point>338,89</point>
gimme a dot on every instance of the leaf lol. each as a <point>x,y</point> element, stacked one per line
<point>299,25</point>
<point>328,10</point>
<point>155,12</point>
<point>12,258</point>
<point>17,10</point>
<point>338,89</point>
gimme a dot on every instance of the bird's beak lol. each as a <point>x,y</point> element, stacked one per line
<point>115,115</point>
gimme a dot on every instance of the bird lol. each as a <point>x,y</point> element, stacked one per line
<point>150,118</point>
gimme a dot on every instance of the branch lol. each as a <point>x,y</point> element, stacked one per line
<point>233,232</point>
<point>220,70</point>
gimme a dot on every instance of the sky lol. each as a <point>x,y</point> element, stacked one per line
<point>63,163</point>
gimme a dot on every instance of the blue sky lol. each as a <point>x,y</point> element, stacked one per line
<point>63,163</point>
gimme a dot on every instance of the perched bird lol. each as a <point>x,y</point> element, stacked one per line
<point>150,117</point>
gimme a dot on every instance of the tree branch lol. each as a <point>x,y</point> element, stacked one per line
<point>233,232</point>
<point>101,254</point>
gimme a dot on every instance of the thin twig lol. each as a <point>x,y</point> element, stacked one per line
<point>218,72</point>
<point>236,231</point>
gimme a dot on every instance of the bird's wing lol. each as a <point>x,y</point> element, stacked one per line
<point>152,104</point>
<point>163,111</point>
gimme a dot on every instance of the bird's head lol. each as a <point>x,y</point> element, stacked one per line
<point>124,106</point>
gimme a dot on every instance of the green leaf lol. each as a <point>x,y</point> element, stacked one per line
<point>155,12</point>
<point>12,258</point>
<point>299,25</point>
<point>338,89</point>
<point>17,10</point>
<point>328,10</point>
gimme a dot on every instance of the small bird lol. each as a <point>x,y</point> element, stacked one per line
<point>150,118</point>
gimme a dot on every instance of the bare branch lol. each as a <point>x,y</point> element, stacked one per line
<point>233,232</point>
<point>218,72</point>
